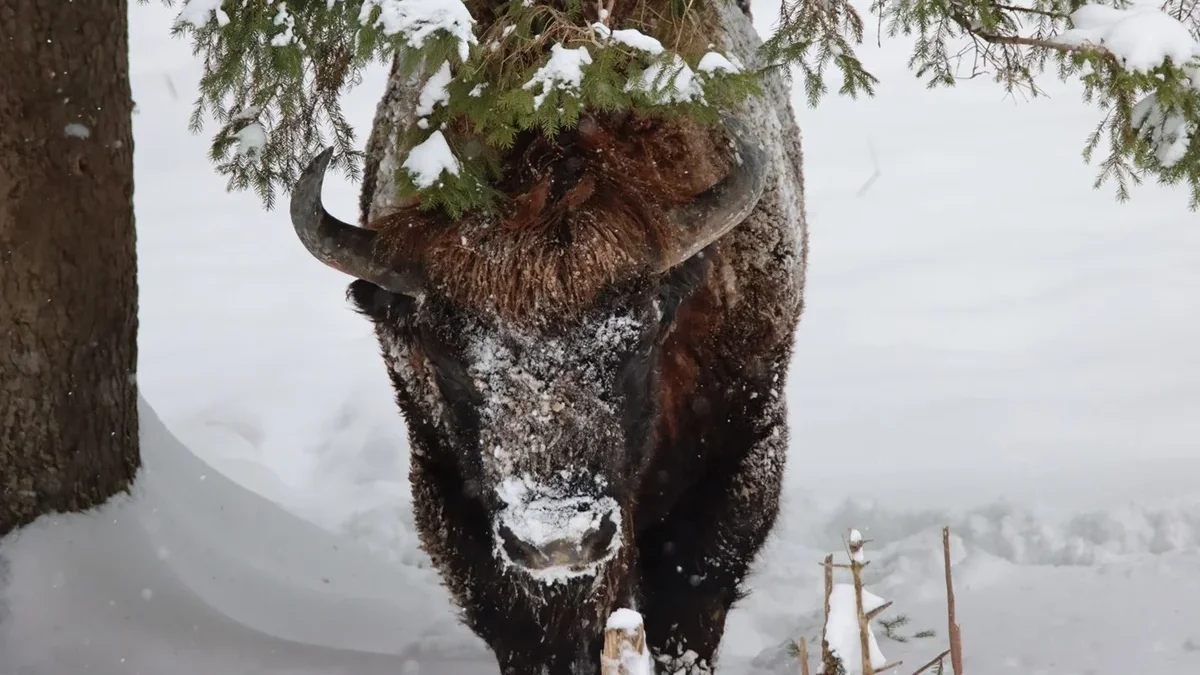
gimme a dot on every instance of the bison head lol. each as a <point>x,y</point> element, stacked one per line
<point>549,417</point>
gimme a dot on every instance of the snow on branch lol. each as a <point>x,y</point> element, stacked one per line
<point>290,61</point>
<point>1125,56</point>
<point>199,12</point>
<point>563,72</point>
<point>417,20</point>
<point>1141,39</point>
<point>430,159</point>
<point>631,37</point>
<point>540,65</point>
<point>533,66</point>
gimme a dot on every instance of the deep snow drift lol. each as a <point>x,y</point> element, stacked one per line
<point>194,574</point>
<point>988,343</point>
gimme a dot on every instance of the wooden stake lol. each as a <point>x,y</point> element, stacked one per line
<point>864,639</point>
<point>803,656</point>
<point>828,663</point>
<point>873,614</point>
<point>618,642</point>
<point>955,638</point>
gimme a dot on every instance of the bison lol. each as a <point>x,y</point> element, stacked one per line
<point>592,378</point>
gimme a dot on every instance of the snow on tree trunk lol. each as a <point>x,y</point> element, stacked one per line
<point>68,281</point>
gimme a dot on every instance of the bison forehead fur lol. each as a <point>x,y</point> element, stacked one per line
<point>586,210</point>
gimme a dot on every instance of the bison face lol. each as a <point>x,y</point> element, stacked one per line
<point>550,426</point>
<point>554,458</point>
<point>548,419</point>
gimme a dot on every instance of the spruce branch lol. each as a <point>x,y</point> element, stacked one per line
<point>811,36</point>
<point>275,71</point>
<point>890,626</point>
<point>284,66</point>
<point>1058,16</point>
<point>1151,117</point>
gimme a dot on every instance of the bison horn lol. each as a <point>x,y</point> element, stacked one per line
<point>717,210</point>
<point>344,247</point>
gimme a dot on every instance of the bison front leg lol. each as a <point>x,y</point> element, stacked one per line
<point>531,631</point>
<point>694,562</point>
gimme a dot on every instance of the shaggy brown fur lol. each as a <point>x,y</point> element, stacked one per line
<point>583,211</point>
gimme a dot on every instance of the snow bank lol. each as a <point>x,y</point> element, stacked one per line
<point>193,574</point>
<point>1070,569</point>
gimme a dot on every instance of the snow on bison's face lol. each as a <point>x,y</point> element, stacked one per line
<point>549,415</point>
<point>550,427</point>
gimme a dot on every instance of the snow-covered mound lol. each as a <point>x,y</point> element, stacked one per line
<point>1036,585</point>
<point>194,574</point>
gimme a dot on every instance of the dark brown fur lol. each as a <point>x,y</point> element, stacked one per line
<point>584,211</point>
<point>687,418</point>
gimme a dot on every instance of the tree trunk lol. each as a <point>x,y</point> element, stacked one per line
<point>68,274</point>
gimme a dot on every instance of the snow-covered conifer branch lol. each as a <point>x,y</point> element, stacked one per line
<point>283,64</point>
<point>1140,66</point>
<point>539,66</point>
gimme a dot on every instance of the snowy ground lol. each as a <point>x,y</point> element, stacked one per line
<point>1019,367</point>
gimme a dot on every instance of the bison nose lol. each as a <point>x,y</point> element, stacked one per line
<point>574,553</point>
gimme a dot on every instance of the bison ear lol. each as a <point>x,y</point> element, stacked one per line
<point>377,303</point>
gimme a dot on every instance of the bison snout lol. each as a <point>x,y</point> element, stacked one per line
<point>578,554</point>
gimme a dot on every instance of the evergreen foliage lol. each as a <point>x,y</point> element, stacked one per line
<point>274,70</point>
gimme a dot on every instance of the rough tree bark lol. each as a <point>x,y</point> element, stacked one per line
<point>68,284</point>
